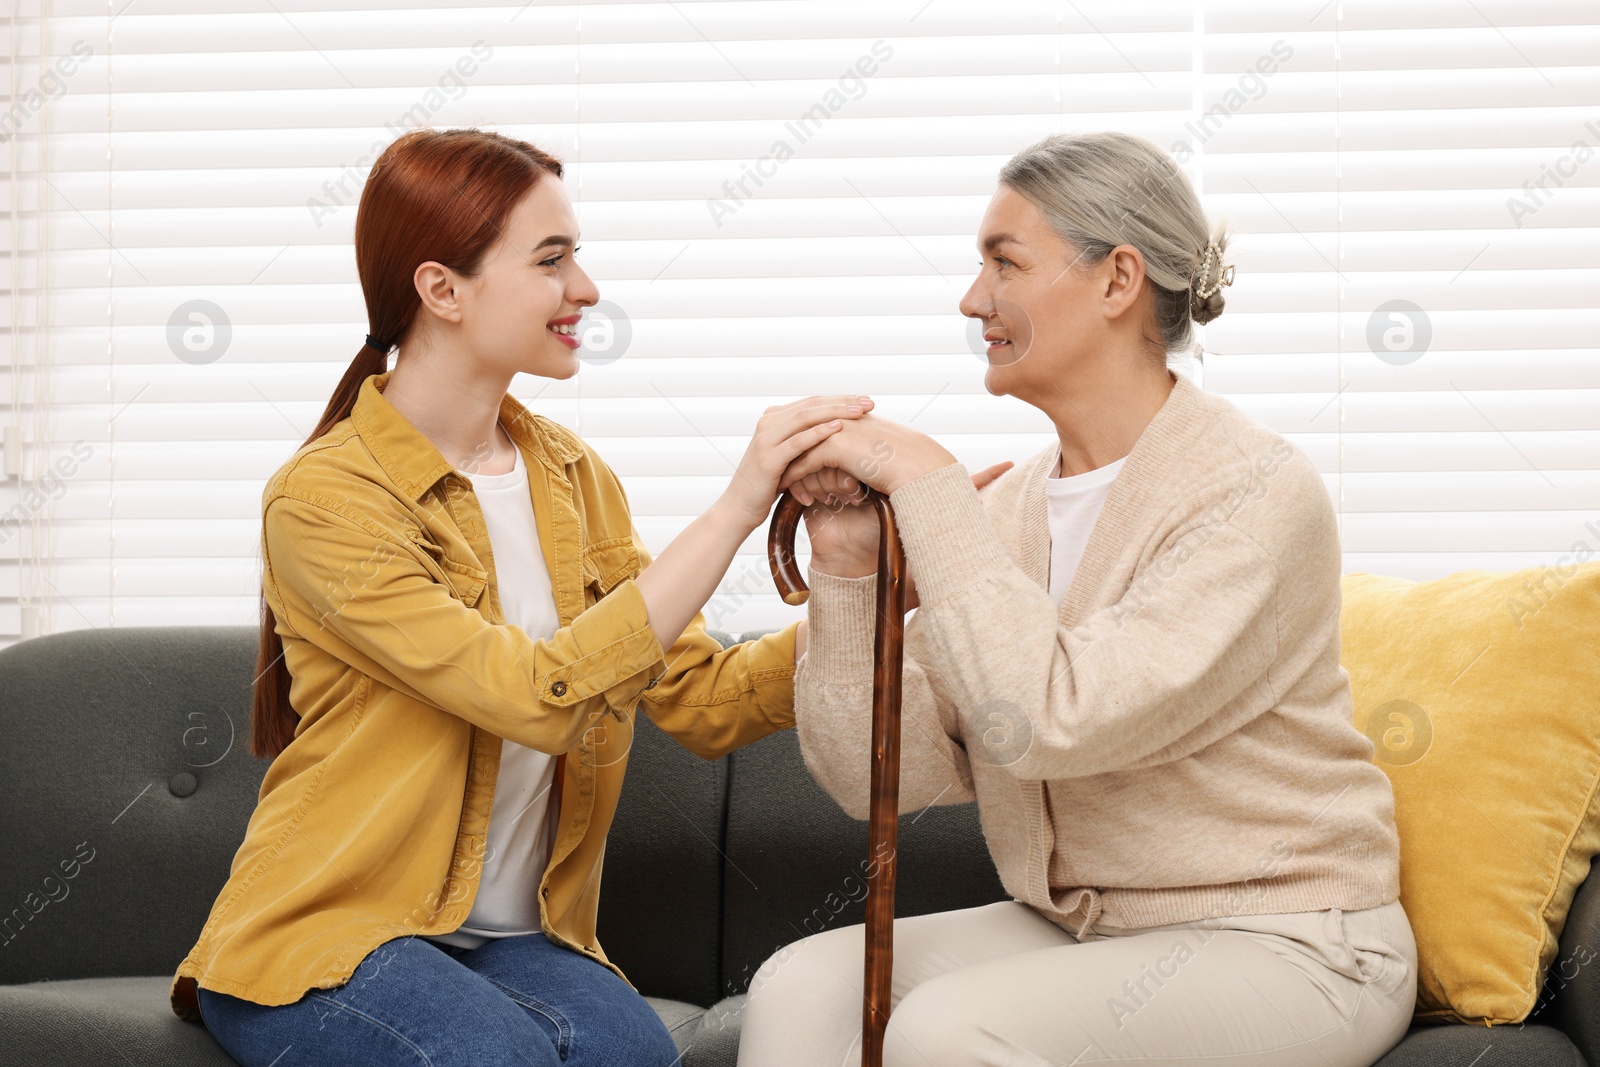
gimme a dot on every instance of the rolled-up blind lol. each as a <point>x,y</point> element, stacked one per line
<point>779,199</point>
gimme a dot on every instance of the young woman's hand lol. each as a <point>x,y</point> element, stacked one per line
<point>844,532</point>
<point>783,432</point>
<point>884,454</point>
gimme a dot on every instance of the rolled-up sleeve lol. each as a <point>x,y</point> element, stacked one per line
<point>342,584</point>
<point>711,699</point>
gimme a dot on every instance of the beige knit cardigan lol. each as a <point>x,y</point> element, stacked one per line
<point>1175,741</point>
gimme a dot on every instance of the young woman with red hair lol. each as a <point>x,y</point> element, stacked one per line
<point>459,621</point>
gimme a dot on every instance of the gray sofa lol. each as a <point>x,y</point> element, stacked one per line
<point>125,754</point>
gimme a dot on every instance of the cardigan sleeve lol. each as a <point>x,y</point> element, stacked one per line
<point>1184,657</point>
<point>833,704</point>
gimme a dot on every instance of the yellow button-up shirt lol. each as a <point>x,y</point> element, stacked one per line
<point>371,823</point>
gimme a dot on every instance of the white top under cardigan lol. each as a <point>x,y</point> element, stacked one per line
<point>521,817</point>
<point>1075,503</point>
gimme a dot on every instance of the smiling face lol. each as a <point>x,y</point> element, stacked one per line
<point>1046,317</point>
<point>521,312</point>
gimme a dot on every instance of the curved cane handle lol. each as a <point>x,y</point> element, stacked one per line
<point>786,569</point>
<point>780,550</point>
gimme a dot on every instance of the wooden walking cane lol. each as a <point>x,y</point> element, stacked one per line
<point>888,646</point>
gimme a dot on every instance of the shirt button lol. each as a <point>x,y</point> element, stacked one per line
<point>558,688</point>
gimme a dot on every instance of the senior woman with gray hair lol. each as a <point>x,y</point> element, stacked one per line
<point>1126,650</point>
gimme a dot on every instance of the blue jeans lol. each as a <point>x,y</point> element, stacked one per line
<point>514,1000</point>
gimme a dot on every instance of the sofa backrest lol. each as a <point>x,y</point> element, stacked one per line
<point>125,788</point>
<point>661,887</point>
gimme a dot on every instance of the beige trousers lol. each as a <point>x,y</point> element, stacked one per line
<point>1003,985</point>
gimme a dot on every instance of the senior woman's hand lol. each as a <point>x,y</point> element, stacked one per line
<point>843,533</point>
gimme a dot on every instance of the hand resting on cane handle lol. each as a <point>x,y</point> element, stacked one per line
<point>843,534</point>
<point>683,576</point>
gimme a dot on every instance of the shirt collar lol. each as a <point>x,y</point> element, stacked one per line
<point>415,464</point>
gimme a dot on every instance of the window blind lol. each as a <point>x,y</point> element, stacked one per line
<point>779,198</point>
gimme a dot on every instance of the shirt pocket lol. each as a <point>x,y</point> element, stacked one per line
<point>465,580</point>
<point>606,564</point>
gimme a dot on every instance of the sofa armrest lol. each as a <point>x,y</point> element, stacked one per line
<point>1575,973</point>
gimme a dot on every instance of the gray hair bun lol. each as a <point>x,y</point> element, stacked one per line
<point>1206,282</point>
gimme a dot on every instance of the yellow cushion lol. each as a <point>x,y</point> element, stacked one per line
<point>1481,694</point>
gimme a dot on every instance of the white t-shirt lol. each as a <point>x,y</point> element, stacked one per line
<point>1075,503</point>
<point>521,820</point>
